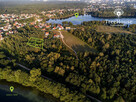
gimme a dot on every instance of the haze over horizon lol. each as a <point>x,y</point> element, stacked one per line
<point>48,0</point>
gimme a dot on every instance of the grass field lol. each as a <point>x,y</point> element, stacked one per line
<point>109,29</point>
<point>75,43</point>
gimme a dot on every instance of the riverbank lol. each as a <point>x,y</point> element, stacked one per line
<point>108,16</point>
<point>64,17</point>
<point>57,90</point>
<point>23,94</point>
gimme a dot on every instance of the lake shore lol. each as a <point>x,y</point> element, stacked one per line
<point>23,93</point>
<point>86,18</point>
<point>64,17</point>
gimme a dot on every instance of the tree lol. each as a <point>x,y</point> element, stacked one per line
<point>103,95</point>
<point>34,74</point>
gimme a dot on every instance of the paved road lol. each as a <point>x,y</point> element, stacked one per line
<point>62,37</point>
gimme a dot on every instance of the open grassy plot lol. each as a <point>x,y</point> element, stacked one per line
<point>75,43</point>
<point>110,29</point>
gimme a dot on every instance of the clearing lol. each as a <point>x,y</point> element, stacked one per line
<point>75,43</point>
<point>109,29</point>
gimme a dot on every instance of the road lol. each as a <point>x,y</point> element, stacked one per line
<point>54,81</point>
<point>28,69</point>
<point>62,37</point>
<point>93,98</point>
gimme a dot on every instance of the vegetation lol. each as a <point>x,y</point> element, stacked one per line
<point>17,8</point>
<point>132,28</point>
<point>75,43</point>
<point>11,71</point>
<point>112,72</point>
<point>111,30</point>
<point>109,13</point>
<point>108,75</point>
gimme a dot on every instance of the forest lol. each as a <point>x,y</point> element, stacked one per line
<point>108,75</point>
<point>30,8</point>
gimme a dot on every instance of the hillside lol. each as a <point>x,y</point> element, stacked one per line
<point>110,29</point>
<point>75,43</point>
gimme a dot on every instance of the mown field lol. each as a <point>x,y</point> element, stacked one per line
<point>75,43</point>
<point>109,29</point>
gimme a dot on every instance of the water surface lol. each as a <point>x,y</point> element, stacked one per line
<point>82,18</point>
<point>22,94</point>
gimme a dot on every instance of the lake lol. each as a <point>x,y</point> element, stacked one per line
<point>82,18</point>
<point>22,94</point>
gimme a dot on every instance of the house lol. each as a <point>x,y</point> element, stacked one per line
<point>39,20</point>
<point>7,33</point>
<point>56,36</point>
<point>32,23</point>
<point>10,32</point>
<point>68,28</point>
<point>1,27</point>
<point>49,15</point>
<point>18,26</point>
<point>46,34</point>
<point>48,26</point>
<point>54,28</point>
<point>43,29</point>
<point>5,29</point>
<point>36,26</point>
<point>60,27</point>
<point>16,23</point>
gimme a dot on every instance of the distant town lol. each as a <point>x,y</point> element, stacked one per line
<point>9,23</point>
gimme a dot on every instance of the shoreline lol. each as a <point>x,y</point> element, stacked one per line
<point>61,18</point>
<point>19,87</point>
<point>47,86</point>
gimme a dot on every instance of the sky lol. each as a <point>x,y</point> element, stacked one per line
<point>40,0</point>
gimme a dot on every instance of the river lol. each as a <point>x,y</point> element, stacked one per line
<point>22,94</point>
<point>82,18</point>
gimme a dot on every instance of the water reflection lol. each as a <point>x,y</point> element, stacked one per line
<point>83,18</point>
<point>24,94</point>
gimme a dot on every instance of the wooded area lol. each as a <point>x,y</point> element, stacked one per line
<point>108,75</point>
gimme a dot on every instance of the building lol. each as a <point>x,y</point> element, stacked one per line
<point>46,34</point>
<point>68,28</point>
<point>56,36</point>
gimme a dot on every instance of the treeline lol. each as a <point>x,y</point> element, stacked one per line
<point>67,14</point>
<point>9,72</point>
<point>109,13</point>
<point>132,28</point>
<point>112,72</point>
<point>37,7</point>
<point>34,80</point>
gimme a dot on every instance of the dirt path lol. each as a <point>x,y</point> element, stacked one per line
<point>62,37</point>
